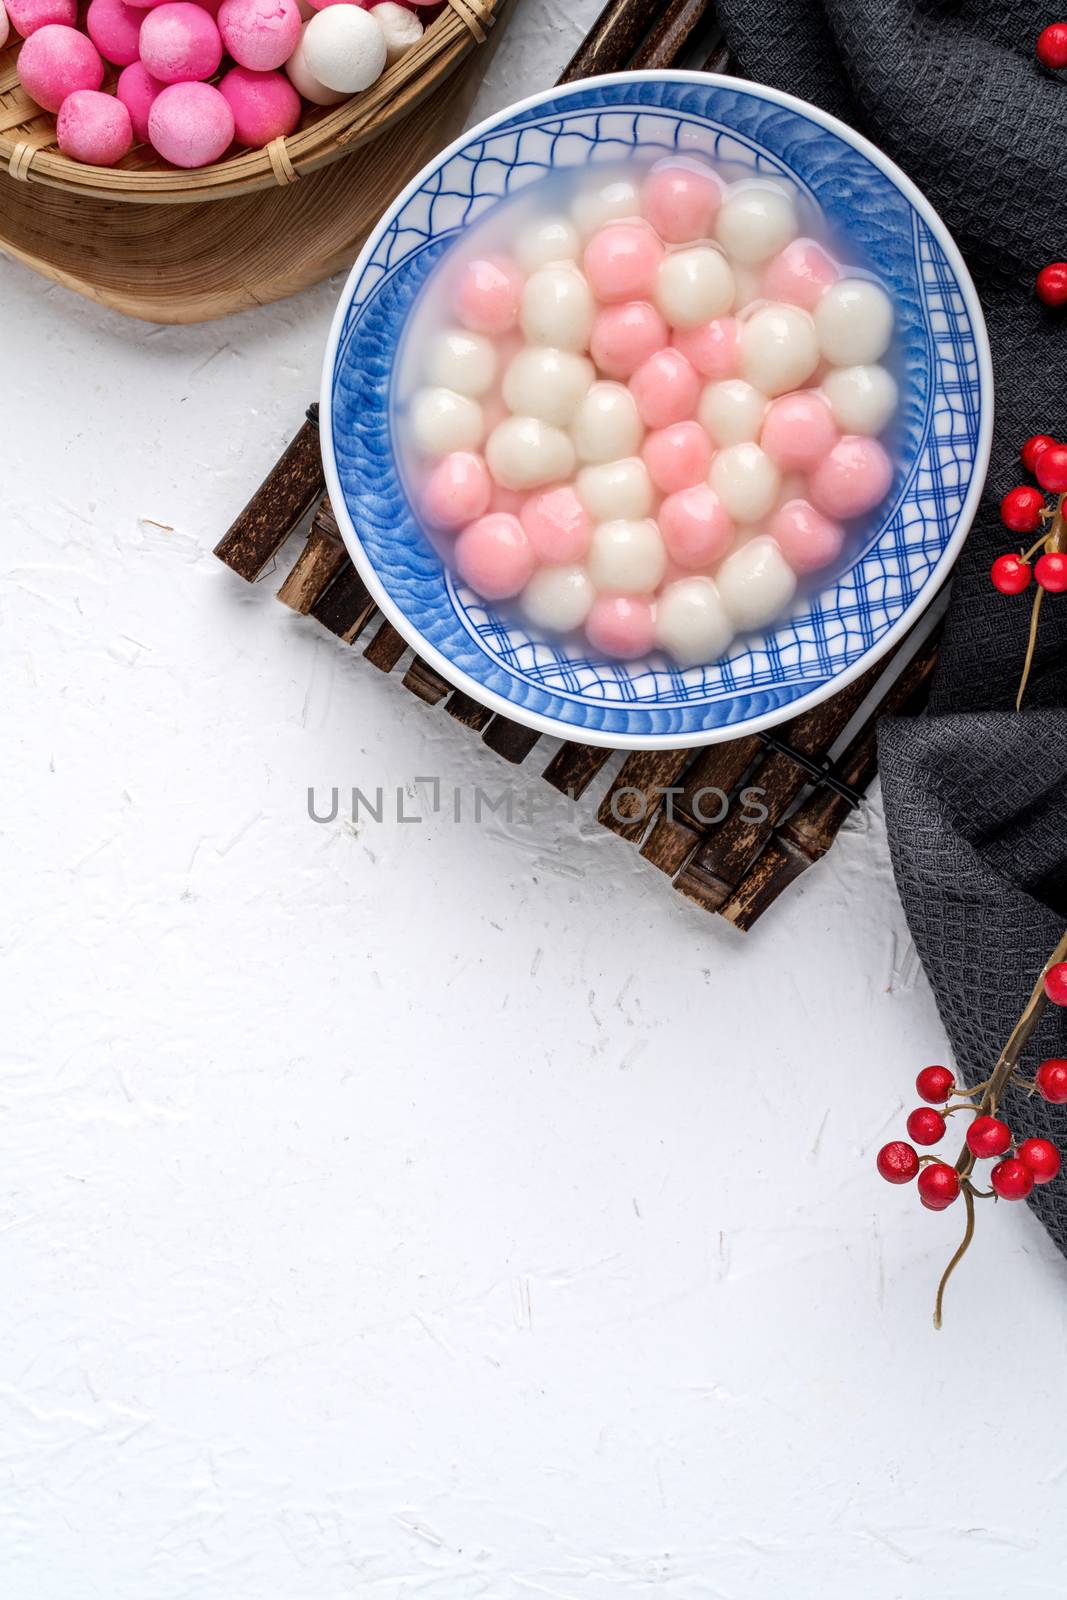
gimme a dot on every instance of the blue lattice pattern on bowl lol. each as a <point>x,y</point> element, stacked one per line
<point>942,438</point>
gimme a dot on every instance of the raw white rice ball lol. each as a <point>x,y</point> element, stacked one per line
<point>442,420</point>
<point>854,322</point>
<point>547,240</point>
<point>400,26</point>
<point>746,481</point>
<point>616,489</point>
<point>344,48</point>
<point>731,412</point>
<point>627,556</point>
<point>754,223</point>
<point>558,598</point>
<point>779,348</point>
<point>546,383</point>
<point>523,452</point>
<point>692,624</point>
<point>694,285</point>
<point>862,399</point>
<point>607,425</point>
<point>465,362</point>
<point>557,306</point>
<point>304,80</point>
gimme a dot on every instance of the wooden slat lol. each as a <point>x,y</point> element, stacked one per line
<point>425,683</point>
<point>286,495</point>
<point>510,739</point>
<point>471,713</point>
<point>346,606</point>
<point>629,804</point>
<point>574,766</point>
<point>318,564</point>
<point>715,771</point>
<point>386,648</point>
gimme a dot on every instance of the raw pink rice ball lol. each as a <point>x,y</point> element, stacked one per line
<point>259,34</point>
<point>495,557</point>
<point>180,43</point>
<point>55,61</point>
<point>137,89</point>
<point>115,29</point>
<point>621,626</point>
<point>94,128</point>
<point>265,105</point>
<point>26,16</point>
<point>190,124</point>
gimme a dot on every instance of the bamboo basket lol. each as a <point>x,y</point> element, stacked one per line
<point>28,149</point>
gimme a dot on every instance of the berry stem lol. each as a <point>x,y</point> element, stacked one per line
<point>1001,1076</point>
<point>1054,540</point>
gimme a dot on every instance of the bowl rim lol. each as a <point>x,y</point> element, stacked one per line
<point>613,739</point>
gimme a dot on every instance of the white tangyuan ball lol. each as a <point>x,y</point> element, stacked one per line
<point>524,452</point>
<point>748,287</point>
<point>345,48</point>
<point>607,424</point>
<point>746,481</point>
<point>692,624</point>
<point>304,80</point>
<point>731,412</point>
<point>442,420</point>
<point>694,285</point>
<point>465,362</point>
<point>557,307</point>
<point>755,222</point>
<point>546,383</point>
<point>547,240</point>
<point>854,321</point>
<point>558,598</point>
<point>627,556</point>
<point>616,489</point>
<point>779,348</point>
<point>612,202</point>
<point>756,583</point>
<point>401,27</point>
<point>862,399</point>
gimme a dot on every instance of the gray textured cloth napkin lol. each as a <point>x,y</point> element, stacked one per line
<point>975,793</point>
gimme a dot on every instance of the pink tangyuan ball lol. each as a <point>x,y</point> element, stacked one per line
<point>115,30</point>
<point>495,557</point>
<point>94,128</point>
<point>56,61</point>
<point>488,295</point>
<point>180,42</point>
<point>621,626</point>
<point>190,124</point>
<point>26,16</point>
<point>799,274</point>
<point>695,527</point>
<point>260,34</point>
<point>714,348</point>
<point>665,388</point>
<point>621,261</point>
<point>677,457</point>
<point>265,105</point>
<point>808,540</point>
<point>625,336</point>
<point>137,89</point>
<point>557,525</point>
<point>852,478</point>
<point>798,430</point>
<point>680,200</point>
<point>458,490</point>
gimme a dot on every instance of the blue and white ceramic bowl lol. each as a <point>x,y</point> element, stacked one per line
<point>945,417</point>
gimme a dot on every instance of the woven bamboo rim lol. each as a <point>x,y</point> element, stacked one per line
<point>27,135</point>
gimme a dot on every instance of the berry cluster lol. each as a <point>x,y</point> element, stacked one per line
<point>1024,510</point>
<point>1020,1164</point>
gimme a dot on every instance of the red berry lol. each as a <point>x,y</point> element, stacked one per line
<point>1042,1157</point>
<point>1010,574</point>
<point>926,1126</point>
<point>939,1185</point>
<point>935,1084</point>
<point>1052,45</point>
<point>1011,1179</point>
<point>897,1162</point>
<point>1056,983</point>
<point>1051,572</point>
<point>1021,508</point>
<point>988,1136</point>
<point>1051,283</point>
<point>1033,448</point>
<point>1052,1081</point>
<point>1050,469</point>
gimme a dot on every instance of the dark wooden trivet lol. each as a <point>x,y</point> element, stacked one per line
<point>732,825</point>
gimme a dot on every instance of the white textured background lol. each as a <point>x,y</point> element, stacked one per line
<point>432,1211</point>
